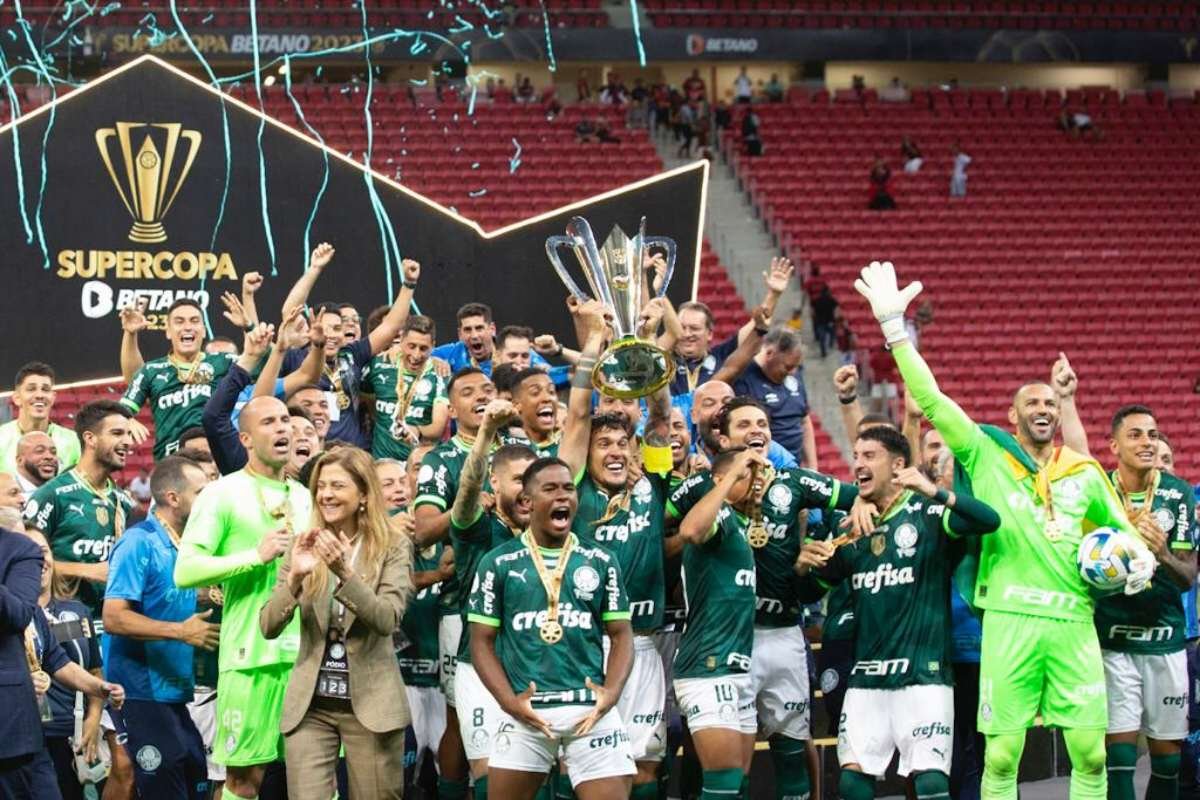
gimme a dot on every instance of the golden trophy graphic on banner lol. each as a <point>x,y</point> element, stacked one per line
<point>631,366</point>
<point>147,173</point>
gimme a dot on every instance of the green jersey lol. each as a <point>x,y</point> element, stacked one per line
<point>176,404</point>
<point>1152,621</point>
<point>547,449</point>
<point>1027,566</point>
<point>899,579</point>
<point>634,534</point>
<point>394,386</point>
<point>471,544</point>
<point>219,545</point>
<point>839,603</point>
<point>718,596</point>
<point>791,491</point>
<point>417,639</point>
<point>81,525</point>
<point>508,595</point>
<point>65,442</point>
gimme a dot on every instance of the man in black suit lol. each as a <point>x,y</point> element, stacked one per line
<point>25,768</point>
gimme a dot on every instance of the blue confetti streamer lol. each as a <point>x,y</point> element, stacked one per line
<point>637,32</point>
<point>549,44</point>
<point>515,161</point>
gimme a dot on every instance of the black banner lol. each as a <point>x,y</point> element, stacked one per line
<point>123,182</point>
<point>667,44</point>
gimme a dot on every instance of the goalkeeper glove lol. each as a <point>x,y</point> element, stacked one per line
<point>888,302</point>
<point>1141,569</point>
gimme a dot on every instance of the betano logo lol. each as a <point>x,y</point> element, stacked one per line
<point>148,173</point>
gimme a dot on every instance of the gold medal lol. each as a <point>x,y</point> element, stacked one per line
<point>1053,532</point>
<point>757,535</point>
<point>878,544</point>
<point>343,400</point>
<point>551,631</point>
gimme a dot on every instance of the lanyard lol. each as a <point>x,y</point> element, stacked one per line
<point>550,631</point>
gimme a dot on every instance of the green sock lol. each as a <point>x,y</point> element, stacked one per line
<point>1089,778</point>
<point>481,788</point>
<point>790,758</point>
<point>932,785</point>
<point>856,786</point>
<point>1122,761</point>
<point>1000,760</point>
<point>1164,778</point>
<point>547,790</point>
<point>644,791</point>
<point>721,784</point>
<point>451,790</point>
<point>744,790</point>
<point>562,786</point>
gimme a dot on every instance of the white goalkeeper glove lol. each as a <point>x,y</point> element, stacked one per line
<point>1141,568</point>
<point>888,302</point>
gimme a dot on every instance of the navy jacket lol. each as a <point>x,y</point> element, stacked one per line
<point>20,584</point>
<point>222,437</point>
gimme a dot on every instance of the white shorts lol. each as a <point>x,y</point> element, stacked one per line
<point>449,632</point>
<point>203,710</point>
<point>428,709</point>
<point>916,720</point>
<point>643,701</point>
<point>602,753</point>
<point>478,712</point>
<point>1147,693</point>
<point>719,702</point>
<point>779,681</point>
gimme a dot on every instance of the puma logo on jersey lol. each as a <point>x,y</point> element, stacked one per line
<point>883,575</point>
<point>184,396</point>
<point>1139,633</point>
<point>519,574</point>
<point>878,667</point>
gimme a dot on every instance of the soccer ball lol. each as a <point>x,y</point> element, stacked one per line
<point>1104,556</point>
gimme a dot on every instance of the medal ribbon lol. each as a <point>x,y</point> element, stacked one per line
<point>551,582</point>
<point>1041,487</point>
<point>190,375</point>
<point>108,495</point>
<point>282,511</point>
<point>404,399</point>
<point>1136,514</point>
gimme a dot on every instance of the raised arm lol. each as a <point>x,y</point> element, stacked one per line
<point>776,281</point>
<point>700,523</point>
<point>467,508</point>
<point>1065,384</point>
<point>381,338</point>
<point>216,418</point>
<point>912,423</point>
<point>845,383</point>
<point>320,258</point>
<point>577,430</point>
<point>133,321</point>
<point>748,345</point>
<point>265,385</point>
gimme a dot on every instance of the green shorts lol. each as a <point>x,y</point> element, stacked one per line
<point>1039,665</point>
<point>249,710</point>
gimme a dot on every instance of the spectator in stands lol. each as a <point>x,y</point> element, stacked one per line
<point>774,89</point>
<point>958,177</point>
<point>722,116</point>
<point>693,87</point>
<point>685,128</point>
<point>603,134</point>
<point>843,335</point>
<point>503,92</point>
<point>823,308</point>
<point>614,92</point>
<point>814,284</point>
<point>659,106</point>
<point>796,320</point>
<point>743,87</point>
<point>895,92</point>
<point>585,130</point>
<point>489,88</point>
<point>775,378</point>
<point>881,197</point>
<point>525,91</point>
<point>750,137</point>
<point>139,487</point>
<point>638,106</point>
<point>859,84</point>
<point>1079,125</point>
<point>911,155</point>
<point>583,87</point>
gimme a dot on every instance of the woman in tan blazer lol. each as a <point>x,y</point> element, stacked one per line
<point>351,577</point>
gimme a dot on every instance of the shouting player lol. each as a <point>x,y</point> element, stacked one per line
<point>540,607</point>
<point>900,695</point>
<point>239,527</point>
<point>1040,652</point>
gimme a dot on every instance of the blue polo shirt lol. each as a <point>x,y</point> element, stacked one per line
<point>141,570</point>
<point>690,373</point>
<point>786,404</point>
<point>457,356</point>
<point>350,362</point>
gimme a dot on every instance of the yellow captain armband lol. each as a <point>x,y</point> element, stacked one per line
<point>657,460</point>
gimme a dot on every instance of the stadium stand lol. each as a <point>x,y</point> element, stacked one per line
<point>922,14</point>
<point>1061,244</point>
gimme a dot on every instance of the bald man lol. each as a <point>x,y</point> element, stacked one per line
<point>708,400</point>
<point>239,527</point>
<point>37,460</point>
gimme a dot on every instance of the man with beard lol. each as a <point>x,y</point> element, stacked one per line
<point>476,343</point>
<point>179,384</point>
<point>541,605</point>
<point>33,395</point>
<point>437,481</point>
<point>628,522</point>
<point>474,531</point>
<point>708,401</point>
<point>536,403</point>
<point>82,513</point>
<point>153,631</point>
<point>697,361</point>
<point>239,527</point>
<point>900,695</point>
<point>410,397</point>
<point>1040,652</point>
<point>778,679</point>
<point>775,378</point>
<point>37,460</point>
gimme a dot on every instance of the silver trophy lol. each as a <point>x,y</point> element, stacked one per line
<point>615,271</point>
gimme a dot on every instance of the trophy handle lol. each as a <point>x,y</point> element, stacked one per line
<point>669,245</point>
<point>552,245</point>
